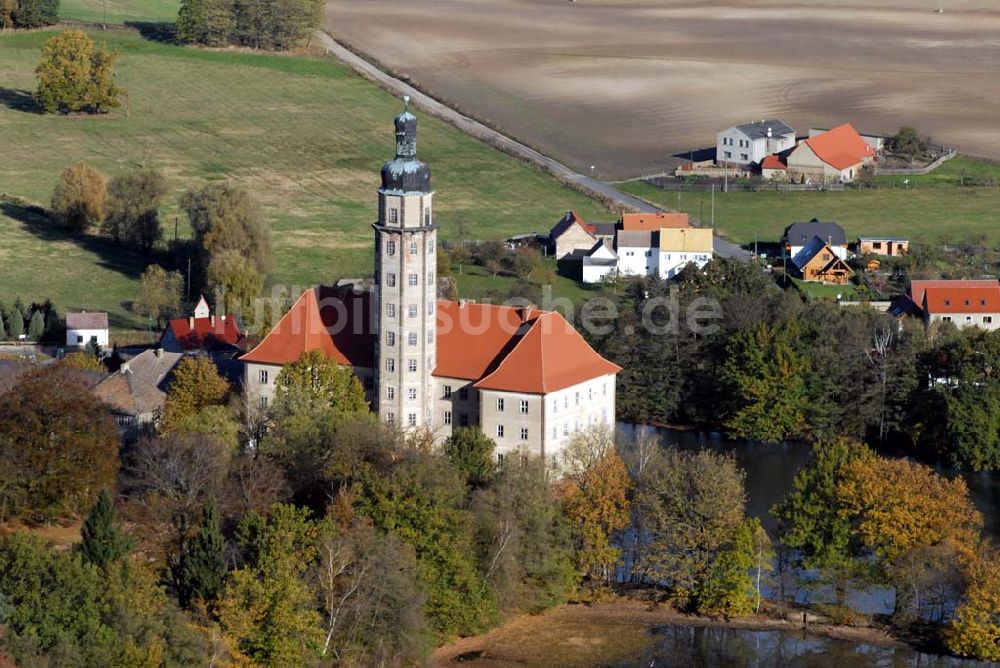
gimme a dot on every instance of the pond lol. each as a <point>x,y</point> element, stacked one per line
<point>712,646</point>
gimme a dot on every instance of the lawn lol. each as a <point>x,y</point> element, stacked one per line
<point>304,134</point>
<point>119,11</point>
<point>935,207</point>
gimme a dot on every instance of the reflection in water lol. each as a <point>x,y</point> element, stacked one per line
<point>712,646</point>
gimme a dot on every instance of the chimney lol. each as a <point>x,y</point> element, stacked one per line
<point>191,322</point>
<point>159,352</point>
<point>769,133</point>
<point>212,320</point>
<point>125,368</point>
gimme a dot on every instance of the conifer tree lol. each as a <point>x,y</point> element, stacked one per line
<point>3,332</point>
<point>16,323</point>
<point>103,542</point>
<point>204,571</point>
<point>36,326</point>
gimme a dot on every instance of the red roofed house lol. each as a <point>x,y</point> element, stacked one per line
<point>202,331</point>
<point>835,155</point>
<point>570,234</point>
<point>525,376</point>
<point>654,222</point>
<point>963,303</point>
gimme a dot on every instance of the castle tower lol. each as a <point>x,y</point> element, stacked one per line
<point>406,279</point>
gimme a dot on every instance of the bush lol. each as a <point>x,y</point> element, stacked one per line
<point>80,197</point>
<point>75,75</point>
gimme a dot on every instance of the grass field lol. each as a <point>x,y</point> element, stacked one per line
<point>934,208</point>
<point>119,11</point>
<point>306,135</point>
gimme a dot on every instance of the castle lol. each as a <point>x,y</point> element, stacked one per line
<point>524,376</point>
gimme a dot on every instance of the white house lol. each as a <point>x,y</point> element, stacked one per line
<point>85,328</point>
<point>636,252</point>
<point>679,247</point>
<point>751,142</point>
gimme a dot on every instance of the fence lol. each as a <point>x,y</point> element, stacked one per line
<point>918,171</point>
<point>741,185</point>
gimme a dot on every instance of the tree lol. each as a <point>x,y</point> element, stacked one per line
<point>83,361</point>
<point>275,25</point>
<point>471,451</point>
<point>160,293</point>
<point>196,384</point>
<point>32,13</point>
<point>7,9</point>
<point>16,324</point>
<point>103,542</point>
<point>59,447</point>
<point>80,197</point>
<point>908,142</point>
<point>203,565</point>
<point>974,630</point>
<point>75,75</point>
<point>3,331</point>
<point>317,379</point>
<point>36,326</point>
<point>268,607</point>
<point>208,22</point>
<point>133,207</point>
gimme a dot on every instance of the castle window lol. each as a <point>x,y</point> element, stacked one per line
<point>412,365</point>
<point>390,392</point>
<point>393,216</point>
<point>565,428</point>
<point>500,459</point>
<point>987,319</point>
<point>390,310</point>
<point>555,431</point>
<point>411,338</point>
<point>524,433</point>
<point>411,393</point>
<point>430,278</point>
<point>447,391</point>
<point>390,364</point>
<point>390,247</point>
<point>447,417</point>
<point>390,419</point>
<point>263,376</point>
<point>430,337</point>
<point>413,248</point>
<point>411,419</point>
<point>427,215</point>
<point>413,279</point>
<point>263,402</point>
<point>430,308</point>
<point>390,279</point>
<point>499,431</point>
<point>390,338</point>
<point>430,247</point>
<point>524,405</point>
<point>413,310</point>
<point>500,404</point>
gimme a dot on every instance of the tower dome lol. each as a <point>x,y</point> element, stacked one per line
<point>406,174</point>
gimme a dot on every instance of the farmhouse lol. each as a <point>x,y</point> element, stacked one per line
<point>593,265</point>
<point>749,143</point>
<point>524,375</point>
<point>817,262</point>
<point>137,393</point>
<point>568,235</point>
<point>85,328</point>
<point>965,303</point>
<point>835,155</point>
<point>798,235</point>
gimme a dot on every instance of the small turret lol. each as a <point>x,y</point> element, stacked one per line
<point>406,174</point>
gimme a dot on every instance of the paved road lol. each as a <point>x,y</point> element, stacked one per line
<point>487,134</point>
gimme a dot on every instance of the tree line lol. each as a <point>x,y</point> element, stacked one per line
<point>38,322</point>
<point>259,24</point>
<point>781,368</point>
<point>28,13</point>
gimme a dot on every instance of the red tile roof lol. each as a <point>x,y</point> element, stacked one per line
<point>773,162</point>
<point>549,356</point>
<point>654,221</point>
<point>567,221</point>
<point>962,300</point>
<point>205,332</point>
<point>515,349</point>
<point>840,147</point>
<point>917,288</point>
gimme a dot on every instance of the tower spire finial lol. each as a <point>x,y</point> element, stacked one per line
<point>406,103</point>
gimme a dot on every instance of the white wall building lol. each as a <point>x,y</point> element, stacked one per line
<point>749,143</point>
<point>85,328</point>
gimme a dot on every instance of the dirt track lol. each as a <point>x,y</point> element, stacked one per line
<point>624,84</point>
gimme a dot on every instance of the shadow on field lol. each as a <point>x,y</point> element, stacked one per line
<point>19,100</point>
<point>155,31</point>
<point>112,256</point>
<point>697,154</point>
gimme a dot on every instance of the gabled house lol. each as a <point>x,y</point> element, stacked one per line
<point>679,247</point>
<point>84,328</point>
<point>965,303</point>
<point>887,246</point>
<point>137,393</point>
<point>593,265</point>
<point>835,155</point>
<point>568,235</point>
<point>749,143</point>
<point>797,235</point>
<point>637,252</point>
<point>201,331</point>
<point>817,262</point>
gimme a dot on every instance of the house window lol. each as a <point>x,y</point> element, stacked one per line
<point>430,278</point>
<point>604,389</point>
<point>411,419</point>
<point>729,154</point>
<point>427,215</point>
<point>826,257</point>
<point>263,402</point>
<point>877,245</point>
<point>500,459</point>
<point>393,216</point>
<point>413,279</point>
<point>555,405</point>
<point>500,404</point>
<point>411,338</point>
<point>390,247</point>
<point>744,156</point>
<point>263,376</point>
<point>463,394</point>
<point>412,365</point>
<point>369,383</point>
<point>499,431</point>
<point>946,318</point>
<point>524,405</point>
<point>947,302</point>
<point>411,393</point>
<point>566,401</point>
<point>390,392</point>
<point>968,318</point>
<point>430,308</point>
<point>447,417</point>
<point>390,364</point>
<point>463,420</point>
<point>79,338</point>
<point>590,394</point>
<point>413,248</point>
<point>430,247</point>
<point>987,319</point>
<point>413,310</point>
<point>430,337</point>
<point>968,303</point>
<point>555,431</point>
<point>390,310</point>
<point>447,391</point>
<point>577,398</point>
<point>390,338</point>
<point>390,418</point>
<point>390,279</point>
<point>524,433</point>
<point>565,428</point>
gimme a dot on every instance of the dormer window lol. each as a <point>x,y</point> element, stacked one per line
<point>968,303</point>
<point>393,216</point>
<point>947,302</point>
